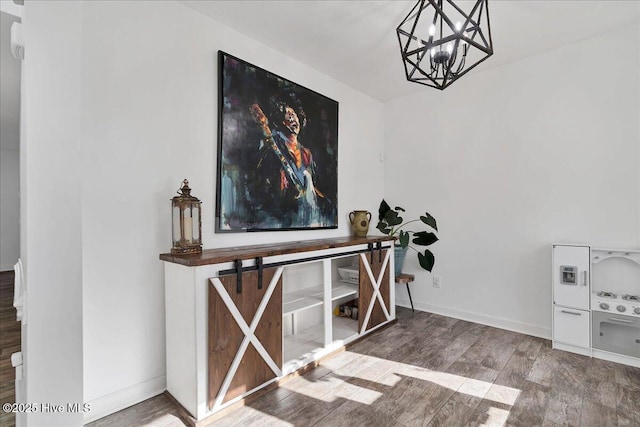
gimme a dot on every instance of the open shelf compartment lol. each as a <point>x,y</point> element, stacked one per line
<point>304,343</point>
<point>344,329</point>
<point>304,311</point>
<point>302,299</point>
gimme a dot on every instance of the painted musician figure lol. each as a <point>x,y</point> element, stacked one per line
<point>286,168</point>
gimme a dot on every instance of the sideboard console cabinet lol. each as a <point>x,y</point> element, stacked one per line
<point>239,319</point>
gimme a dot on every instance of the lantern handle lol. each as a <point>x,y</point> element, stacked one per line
<point>184,190</point>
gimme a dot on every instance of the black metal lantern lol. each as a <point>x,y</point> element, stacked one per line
<point>187,231</point>
<point>440,42</point>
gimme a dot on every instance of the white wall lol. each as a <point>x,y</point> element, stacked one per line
<point>9,147</point>
<point>511,160</point>
<point>50,209</point>
<point>9,208</point>
<point>145,81</point>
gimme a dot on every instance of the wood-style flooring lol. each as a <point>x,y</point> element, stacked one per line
<point>9,343</point>
<point>430,370</point>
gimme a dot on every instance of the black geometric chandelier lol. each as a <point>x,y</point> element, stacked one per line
<point>440,42</point>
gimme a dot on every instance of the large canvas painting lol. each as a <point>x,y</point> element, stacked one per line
<point>277,152</point>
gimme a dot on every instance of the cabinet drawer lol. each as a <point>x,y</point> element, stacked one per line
<point>571,326</point>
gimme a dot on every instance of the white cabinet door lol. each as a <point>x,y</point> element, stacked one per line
<point>571,276</point>
<point>571,326</point>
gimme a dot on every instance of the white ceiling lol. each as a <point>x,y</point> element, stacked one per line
<point>355,41</point>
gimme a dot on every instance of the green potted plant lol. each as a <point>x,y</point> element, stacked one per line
<point>392,224</point>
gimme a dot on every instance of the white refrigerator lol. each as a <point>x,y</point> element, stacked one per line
<point>571,297</point>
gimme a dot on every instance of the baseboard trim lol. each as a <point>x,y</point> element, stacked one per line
<point>496,322</point>
<point>121,399</point>
<point>571,348</point>
<point>617,358</point>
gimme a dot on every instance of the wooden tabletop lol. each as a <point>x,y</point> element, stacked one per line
<point>405,278</point>
<point>220,255</point>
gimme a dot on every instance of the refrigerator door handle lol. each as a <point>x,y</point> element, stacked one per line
<point>585,281</point>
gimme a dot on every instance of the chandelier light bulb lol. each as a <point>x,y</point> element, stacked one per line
<point>458,26</point>
<point>432,30</point>
<point>450,47</point>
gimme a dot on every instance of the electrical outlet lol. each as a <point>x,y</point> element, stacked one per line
<point>436,281</point>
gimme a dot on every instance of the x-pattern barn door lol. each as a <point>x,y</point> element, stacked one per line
<point>245,333</point>
<point>374,307</point>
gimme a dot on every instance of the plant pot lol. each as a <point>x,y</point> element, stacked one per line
<point>399,254</point>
